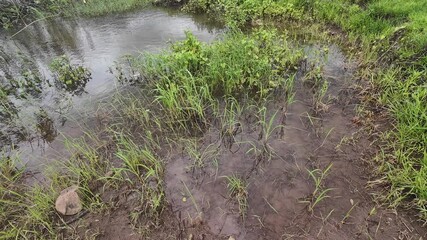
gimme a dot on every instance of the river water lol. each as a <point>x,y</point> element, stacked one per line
<point>95,43</point>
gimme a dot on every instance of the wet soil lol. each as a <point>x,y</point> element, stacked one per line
<point>277,188</point>
<point>200,207</point>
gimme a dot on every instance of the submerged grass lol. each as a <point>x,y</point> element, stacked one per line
<point>390,38</point>
<point>238,192</point>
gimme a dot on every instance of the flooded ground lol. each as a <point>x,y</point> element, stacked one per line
<point>94,43</point>
<point>281,199</point>
<point>280,189</point>
<point>319,148</point>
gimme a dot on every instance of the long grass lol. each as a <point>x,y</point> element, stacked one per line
<point>26,213</point>
<point>190,76</point>
<point>404,159</point>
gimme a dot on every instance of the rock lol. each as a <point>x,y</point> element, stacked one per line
<point>231,238</point>
<point>68,203</point>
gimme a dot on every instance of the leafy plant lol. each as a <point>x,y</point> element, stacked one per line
<point>73,78</point>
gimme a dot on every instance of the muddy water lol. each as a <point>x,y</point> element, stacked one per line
<point>94,43</point>
<point>279,188</point>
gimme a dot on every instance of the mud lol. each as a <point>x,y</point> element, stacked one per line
<point>277,188</point>
<point>200,206</point>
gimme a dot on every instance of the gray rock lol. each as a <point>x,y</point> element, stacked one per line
<point>68,203</point>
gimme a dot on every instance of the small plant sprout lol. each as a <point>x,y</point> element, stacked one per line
<point>263,150</point>
<point>238,191</point>
<point>319,104</point>
<point>320,192</point>
<point>230,124</point>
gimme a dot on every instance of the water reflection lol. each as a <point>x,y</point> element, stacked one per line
<point>93,43</point>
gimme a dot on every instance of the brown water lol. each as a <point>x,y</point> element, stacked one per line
<point>94,43</point>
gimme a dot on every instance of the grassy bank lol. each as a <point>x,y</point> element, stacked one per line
<point>102,7</point>
<point>390,40</point>
<point>14,14</point>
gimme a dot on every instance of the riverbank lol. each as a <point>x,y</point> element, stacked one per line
<point>214,124</point>
<point>21,13</point>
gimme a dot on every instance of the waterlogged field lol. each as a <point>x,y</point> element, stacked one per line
<point>283,127</point>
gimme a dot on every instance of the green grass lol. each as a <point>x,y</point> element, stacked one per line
<point>13,13</point>
<point>375,23</point>
<point>144,170</point>
<point>390,39</point>
<point>103,7</point>
<point>190,77</point>
<point>28,212</point>
<point>404,157</point>
<point>25,212</point>
<point>238,192</point>
<point>320,192</point>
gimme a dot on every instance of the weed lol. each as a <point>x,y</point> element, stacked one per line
<point>319,193</point>
<point>263,150</point>
<point>148,169</point>
<point>200,155</point>
<point>230,124</point>
<point>348,214</point>
<point>189,77</point>
<point>237,189</point>
<point>72,78</point>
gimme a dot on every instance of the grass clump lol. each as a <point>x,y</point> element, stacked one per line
<point>191,75</point>
<point>25,212</point>
<point>144,170</point>
<point>238,191</point>
<point>28,212</point>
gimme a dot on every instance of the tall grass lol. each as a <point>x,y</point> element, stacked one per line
<point>191,75</point>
